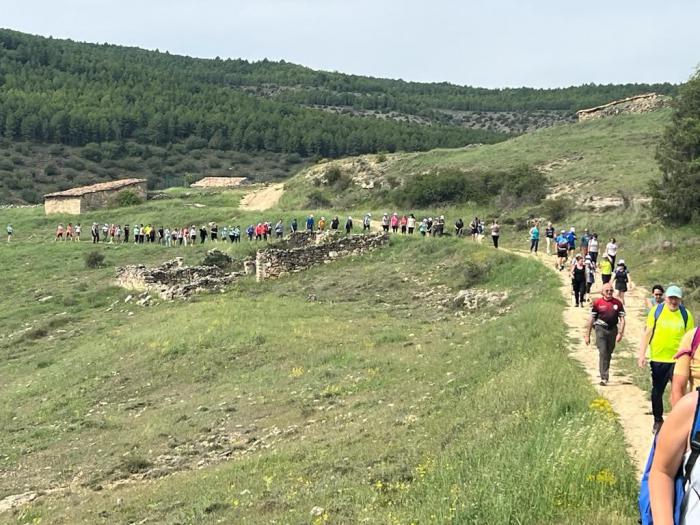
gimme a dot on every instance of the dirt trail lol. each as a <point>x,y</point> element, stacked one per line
<point>262,199</point>
<point>628,401</point>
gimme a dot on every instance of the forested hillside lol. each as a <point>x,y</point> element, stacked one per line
<point>118,111</point>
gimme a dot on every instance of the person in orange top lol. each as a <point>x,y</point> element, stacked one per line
<point>403,222</point>
<point>69,231</point>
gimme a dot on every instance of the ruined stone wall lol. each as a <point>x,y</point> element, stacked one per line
<point>171,280</point>
<point>638,104</point>
<point>69,206</point>
<point>274,263</point>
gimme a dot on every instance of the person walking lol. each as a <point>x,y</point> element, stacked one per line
<point>474,228</point>
<point>495,232</point>
<point>657,298</point>
<point>608,317</point>
<point>294,226</point>
<point>622,279</point>
<point>535,236</point>
<point>411,223</point>
<point>310,223</point>
<point>578,280</point>
<point>593,248</point>
<point>590,273</point>
<point>394,222</point>
<point>279,229</point>
<point>366,222</point>
<point>585,240</point>
<point>549,236</point>
<point>348,225</point>
<point>562,249</point>
<point>606,269</point>
<point>571,237</point>
<point>78,231</point>
<point>611,250</point>
<point>404,224</point>
<point>665,326</point>
<point>10,232</point>
<point>459,227</point>
<point>335,223</point>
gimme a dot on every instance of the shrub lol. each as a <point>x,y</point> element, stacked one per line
<point>51,170</point>
<point>30,196</point>
<point>127,198</point>
<point>317,199</point>
<point>92,152</point>
<point>556,209</point>
<point>94,259</point>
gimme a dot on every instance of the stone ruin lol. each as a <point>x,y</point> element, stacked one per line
<point>328,246</point>
<point>637,104</point>
<point>172,280</point>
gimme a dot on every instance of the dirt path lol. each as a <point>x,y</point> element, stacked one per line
<point>262,199</point>
<point>628,401</point>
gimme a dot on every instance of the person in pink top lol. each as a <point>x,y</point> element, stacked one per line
<point>403,223</point>
<point>394,222</point>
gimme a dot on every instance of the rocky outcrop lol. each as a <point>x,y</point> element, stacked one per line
<point>638,104</point>
<point>327,247</point>
<point>172,280</point>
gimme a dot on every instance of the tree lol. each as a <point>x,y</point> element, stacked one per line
<point>674,196</point>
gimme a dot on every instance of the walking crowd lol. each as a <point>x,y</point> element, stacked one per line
<point>667,347</point>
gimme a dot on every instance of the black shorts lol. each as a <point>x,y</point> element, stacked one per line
<point>561,253</point>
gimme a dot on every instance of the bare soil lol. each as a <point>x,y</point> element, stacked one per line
<point>262,199</point>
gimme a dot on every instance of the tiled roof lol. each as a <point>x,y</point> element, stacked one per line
<point>94,188</point>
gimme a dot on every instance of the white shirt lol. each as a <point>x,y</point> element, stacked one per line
<point>611,249</point>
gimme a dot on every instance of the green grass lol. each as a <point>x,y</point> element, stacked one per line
<point>374,402</point>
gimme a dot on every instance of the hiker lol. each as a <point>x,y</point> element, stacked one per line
<point>608,317</point>
<point>214,232</point>
<point>423,227</point>
<point>259,232</point>
<point>571,238</point>
<point>672,452</point>
<point>310,223</point>
<point>686,371</point>
<point>59,233</point>
<point>202,234</point>
<point>335,223</point>
<point>10,232</point>
<point>69,231</point>
<point>411,223</point>
<point>348,225</point>
<point>585,239</point>
<point>294,226</point>
<point>611,250</point>
<point>549,236</point>
<point>590,273</point>
<point>562,249</point>
<point>394,222</point>
<point>403,223</point>
<point>279,229</point>
<point>474,227</point>
<point>535,236</point>
<point>95,233</point>
<point>657,298</point>
<point>126,233</point>
<point>322,224</point>
<point>366,222</point>
<point>665,327</point>
<point>78,230</point>
<point>429,226</point>
<point>622,278</point>
<point>593,248</point>
<point>440,226</point>
<point>237,234</point>
<point>224,233</point>
<point>459,227</point>
<point>193,235</point>
<point>105,231</point>
<point>495,232</point>
<point>578,280</point>
<point>385,222</point>
<point>606,269</point>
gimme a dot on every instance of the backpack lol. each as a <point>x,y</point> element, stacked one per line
<point>682,476</point>
<point>657,314</point>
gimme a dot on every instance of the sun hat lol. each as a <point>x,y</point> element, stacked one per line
<point>674,291</point>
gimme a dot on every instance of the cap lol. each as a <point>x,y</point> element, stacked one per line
<point>674,291</point>
<point>621,261</point>
<point>573,229</point>
<point>578,255</point>
<point>563,231</point>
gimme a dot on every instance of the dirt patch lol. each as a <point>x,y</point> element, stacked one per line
<point>262,199</point>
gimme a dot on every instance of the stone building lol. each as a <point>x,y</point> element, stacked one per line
<point>85,198</point>
<point>636,104</point>
<point>219,182</point>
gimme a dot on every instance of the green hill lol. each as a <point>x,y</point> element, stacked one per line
<point>104,104</point>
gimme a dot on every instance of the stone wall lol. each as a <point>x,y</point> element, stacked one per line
<point>67,205</point>
<point>172,280</point>
<point>638,104</point>
<point>275,262</point>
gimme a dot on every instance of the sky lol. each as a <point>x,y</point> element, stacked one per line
<point>490,43</point>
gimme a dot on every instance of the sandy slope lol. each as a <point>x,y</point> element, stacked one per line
<point>262,199</point>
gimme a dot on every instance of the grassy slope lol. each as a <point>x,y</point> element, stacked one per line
<point>391,410</point>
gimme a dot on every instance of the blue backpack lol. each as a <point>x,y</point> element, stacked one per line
<point>679,482</point>
<point>657,313</point>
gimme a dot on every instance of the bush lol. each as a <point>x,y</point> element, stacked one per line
<point>92,152</point>
<point>127,198</point>
<point>556,209</point>
<point>30,196</point>
<point>317,199</point>
<point>94,259</point>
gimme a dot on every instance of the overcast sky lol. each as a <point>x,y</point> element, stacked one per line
<point>494,43</point>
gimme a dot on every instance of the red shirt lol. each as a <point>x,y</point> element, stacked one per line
<point>608,311</point>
